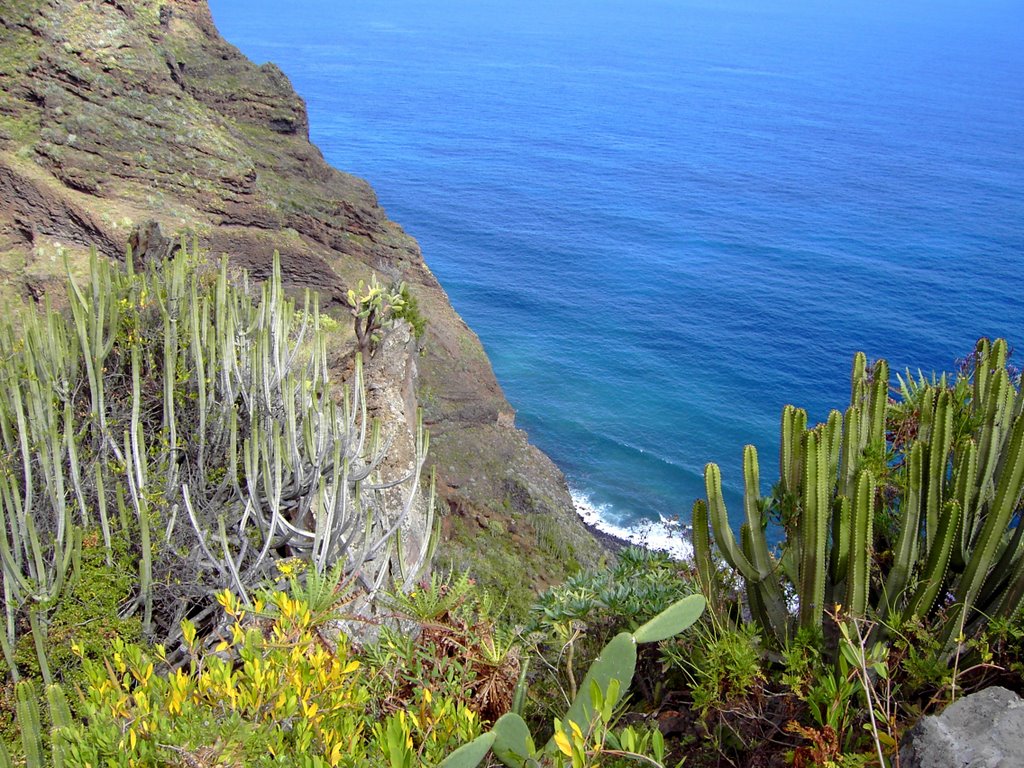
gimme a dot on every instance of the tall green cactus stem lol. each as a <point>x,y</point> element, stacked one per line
<point>905,553</point>
<point>60,718</point>
<point>875,412</point>
<point>814,525</point>
<point>1000,513</point>
<point>759,571</point>
<point>939,446</point>
<point>702,546</point>
<point>934,573</point>
<point>29,722</point>
<point>791,462</point>
<point>858,569</point>
<point>955,504</point>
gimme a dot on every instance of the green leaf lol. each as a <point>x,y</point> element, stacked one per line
<point>672,620</point>
<point>471,754</point>
<point>608,704</point>
<point>658,743</point>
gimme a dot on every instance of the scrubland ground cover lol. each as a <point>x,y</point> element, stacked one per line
<point>200,569</point>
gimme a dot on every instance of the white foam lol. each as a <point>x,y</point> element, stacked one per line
<point>665,535</point>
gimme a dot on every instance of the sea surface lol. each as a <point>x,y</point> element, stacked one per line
<point>666,219</point>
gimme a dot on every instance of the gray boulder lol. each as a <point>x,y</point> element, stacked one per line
<point>983,730</point>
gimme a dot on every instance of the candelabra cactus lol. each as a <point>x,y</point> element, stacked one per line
<point>205,415</point>
<point>955,496</point>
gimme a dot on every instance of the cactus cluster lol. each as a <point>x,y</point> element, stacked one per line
<point>952,484</point>
<point>193,413</point>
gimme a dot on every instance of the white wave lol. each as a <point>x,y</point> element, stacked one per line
<point>667,536</point>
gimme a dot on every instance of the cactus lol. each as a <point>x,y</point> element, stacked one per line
<point>606,682</point>
<point>766,579</point>
<point>961,491</point>
<point>29,722</point>
<point>671,621</point>
<point>617,661</point>
<point>60,717</point>
<point>222,446</point>
<point>471,754</point>
<point>513,744</point>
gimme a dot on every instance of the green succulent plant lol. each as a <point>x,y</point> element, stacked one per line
<point>602,688</point>
<point>951,493</point>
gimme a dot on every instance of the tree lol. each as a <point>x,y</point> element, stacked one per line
<point>373,306</point>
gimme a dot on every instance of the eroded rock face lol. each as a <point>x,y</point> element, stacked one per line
<point>116,113</point>
<point>983,730</point>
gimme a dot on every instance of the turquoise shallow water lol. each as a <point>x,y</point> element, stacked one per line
<point>668,218</point>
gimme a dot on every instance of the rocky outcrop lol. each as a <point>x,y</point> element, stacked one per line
<point>983,730</point>
<point>118,112</point>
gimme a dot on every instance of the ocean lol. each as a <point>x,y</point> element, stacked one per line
<point>666,219</point>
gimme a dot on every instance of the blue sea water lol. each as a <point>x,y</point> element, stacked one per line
<point>668,218</point>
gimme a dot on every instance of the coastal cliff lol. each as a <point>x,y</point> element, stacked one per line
<point>119,113</point>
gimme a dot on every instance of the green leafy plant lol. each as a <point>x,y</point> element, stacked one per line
<point>374,306</point>
<point>723,663</point>
<point>583,733</point>
<point>570,623</point>
<point>279,687</point>
<point>446,640</point>
<point>426,729</point>
<point>409,311</point>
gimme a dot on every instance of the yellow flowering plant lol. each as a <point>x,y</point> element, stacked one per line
<point>269,689</point>
<point>275,686</point>
<point>426,731</point>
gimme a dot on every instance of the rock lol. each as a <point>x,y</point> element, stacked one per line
<point>148,244</point>
<point>983,730</point>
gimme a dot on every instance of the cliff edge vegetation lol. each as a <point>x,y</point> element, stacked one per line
<point>134,121</point>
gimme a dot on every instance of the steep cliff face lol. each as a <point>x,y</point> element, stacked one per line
<point>117,112</point>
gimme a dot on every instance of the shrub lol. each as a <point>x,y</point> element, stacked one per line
<point>279,687</point>
<point>194,419</point>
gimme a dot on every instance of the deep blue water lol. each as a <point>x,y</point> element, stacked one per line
<point>668,218</point>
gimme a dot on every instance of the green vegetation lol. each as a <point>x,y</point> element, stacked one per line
<point>584,733</point>
<point>889,506</point>
<point>900,561</point>
<point>188,426</point>
<point>374,306</point>
<point>200,567</point>
<point>272,691</point>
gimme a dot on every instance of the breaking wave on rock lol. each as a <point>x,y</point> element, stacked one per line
<point>664,535</point>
